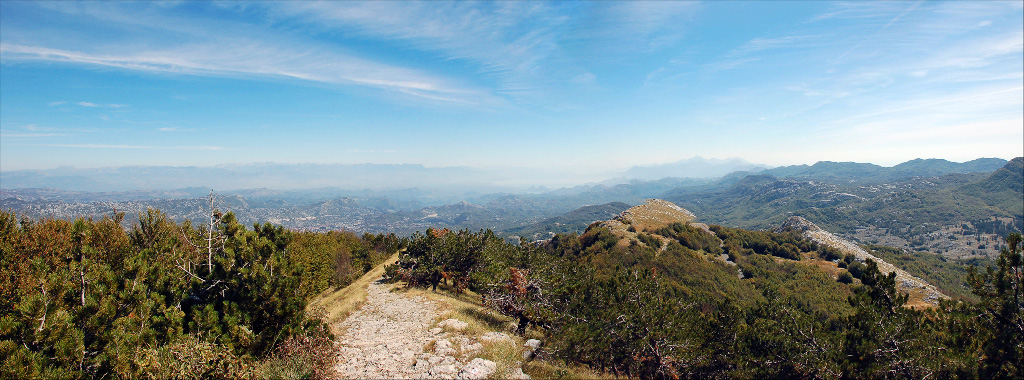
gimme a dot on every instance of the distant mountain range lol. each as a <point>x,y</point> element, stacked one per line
<point>870,173</point>
<point>572,222</point>
<point>958,209</point>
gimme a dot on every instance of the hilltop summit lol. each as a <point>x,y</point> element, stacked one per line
<point>656,213</point>
<point>650,216</point>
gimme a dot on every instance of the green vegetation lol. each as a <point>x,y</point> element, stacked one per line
<point>680,312</point>
<point>1001,323</point>
<point>948,275</point>
<point>88,299</point>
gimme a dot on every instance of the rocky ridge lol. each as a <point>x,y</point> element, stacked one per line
<point>907,283</point>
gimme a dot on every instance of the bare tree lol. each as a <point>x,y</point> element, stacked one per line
<point>210,242</point>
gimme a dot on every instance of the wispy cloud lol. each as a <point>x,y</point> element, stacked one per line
<point>253,58</point>
<point>880,30</point>
<point>518,49</point>
<point>767,43</point>
<point>630,26</point>
<point>156,38</point>
<point>82,103</point>
<point>966,104</point>
<point>509,42</point>
<point>38,131</point>
<point>92,104</point>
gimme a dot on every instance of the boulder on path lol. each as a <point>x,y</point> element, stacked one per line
<point>478,369</point>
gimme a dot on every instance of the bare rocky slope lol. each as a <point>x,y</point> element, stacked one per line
<point>920,291</point>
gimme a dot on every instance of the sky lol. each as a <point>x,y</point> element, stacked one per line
<point>565,86</point>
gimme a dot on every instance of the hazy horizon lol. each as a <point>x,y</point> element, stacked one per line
<point>301,176</point>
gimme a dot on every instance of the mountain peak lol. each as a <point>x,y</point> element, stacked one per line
<point>652,215</point>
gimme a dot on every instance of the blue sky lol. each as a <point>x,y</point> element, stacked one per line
<point>570,86</point>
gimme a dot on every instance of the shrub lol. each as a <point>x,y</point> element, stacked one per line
<point>845,278</point>
<point>309,355</point>
<point>191,357</point>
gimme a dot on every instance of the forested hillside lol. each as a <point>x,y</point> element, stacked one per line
<point>89,299</point>
<point>685,300</point>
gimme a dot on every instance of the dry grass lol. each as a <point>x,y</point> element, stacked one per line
<point>468,307</point>
<point>339,303</point>
<point>539,369</point>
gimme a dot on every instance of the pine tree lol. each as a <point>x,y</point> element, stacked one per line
<point>1002,313</point>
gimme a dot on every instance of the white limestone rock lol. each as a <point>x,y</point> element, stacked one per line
<point>516,373</point>
<point>442,347</point>
<point>478,369</point>
<point>531,348</point>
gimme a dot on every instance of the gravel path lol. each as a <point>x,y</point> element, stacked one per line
<point>389,338</point>
<point>383,338</point>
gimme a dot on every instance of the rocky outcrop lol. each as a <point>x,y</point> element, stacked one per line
<point>906,282</point>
